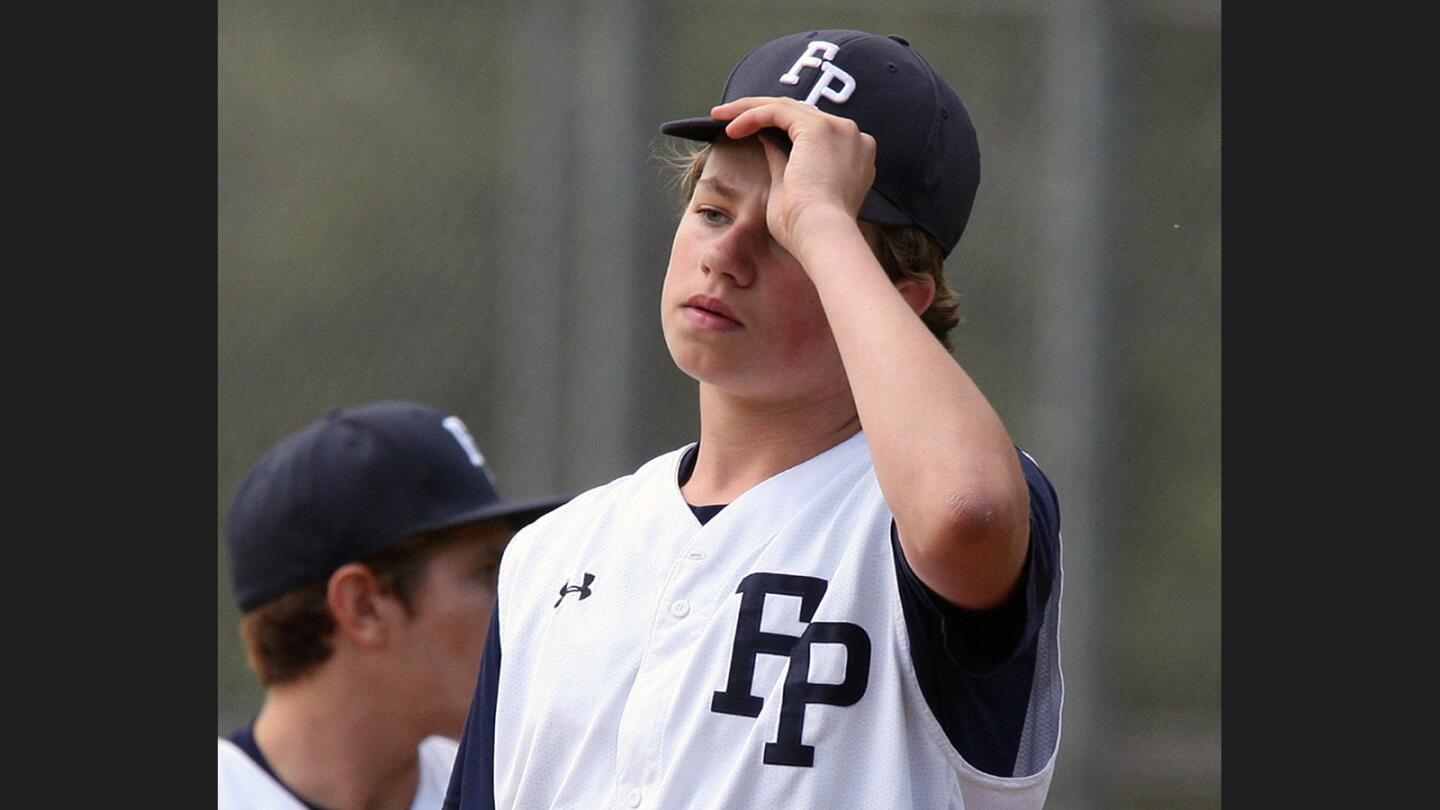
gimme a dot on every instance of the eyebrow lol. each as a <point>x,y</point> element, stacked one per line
<point>719,186</point>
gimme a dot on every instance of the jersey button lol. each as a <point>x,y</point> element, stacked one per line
<point>679,608</point>
<point>633,797</point>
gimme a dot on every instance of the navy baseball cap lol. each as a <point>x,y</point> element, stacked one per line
<point>357,482</point>
<point>927,161</point>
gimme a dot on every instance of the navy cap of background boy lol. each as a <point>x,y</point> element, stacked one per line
<point>927,162</point>
<point>357,482</point>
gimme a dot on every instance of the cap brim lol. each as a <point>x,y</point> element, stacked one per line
<point>695,129</point>
<point>519,513</point>
<point>708,129</point>
<point>703,128</point>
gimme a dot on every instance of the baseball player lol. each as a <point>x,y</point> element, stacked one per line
<point>846,592</point>
<point>363,551</point>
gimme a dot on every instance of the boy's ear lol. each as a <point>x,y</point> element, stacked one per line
<point>918,293</point>
<point>359,603</point>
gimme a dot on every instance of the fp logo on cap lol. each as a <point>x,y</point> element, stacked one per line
<point>828,72</point>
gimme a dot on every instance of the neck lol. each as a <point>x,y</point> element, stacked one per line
<point>743,442</point>
<point>335,747</point>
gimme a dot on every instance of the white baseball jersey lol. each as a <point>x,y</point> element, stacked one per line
<point>760,659</point>
<point>245,785</point>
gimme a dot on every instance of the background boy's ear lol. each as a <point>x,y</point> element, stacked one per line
<point>918,293</point>
<point>359,603</point>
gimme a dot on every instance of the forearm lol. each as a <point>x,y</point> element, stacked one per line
<point>943,458</point>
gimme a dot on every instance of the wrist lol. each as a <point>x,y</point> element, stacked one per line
<point>823,231</point>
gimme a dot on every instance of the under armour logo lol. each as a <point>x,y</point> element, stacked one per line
<point>583,589</point>
<point>818,55</point>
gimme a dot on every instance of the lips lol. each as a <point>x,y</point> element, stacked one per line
<point>707,310</point>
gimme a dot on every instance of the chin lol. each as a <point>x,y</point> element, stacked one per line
<point>687,354</point>
<point>703,365</point>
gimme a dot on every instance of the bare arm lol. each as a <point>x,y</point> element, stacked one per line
<point>944,461</point>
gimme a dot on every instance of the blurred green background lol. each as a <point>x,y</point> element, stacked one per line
<point>459,203</point>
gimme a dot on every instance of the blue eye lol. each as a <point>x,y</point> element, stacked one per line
<point>712,217</point>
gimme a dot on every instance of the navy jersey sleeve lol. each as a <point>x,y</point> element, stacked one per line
<point>975,667</point>
<point>472,780</point>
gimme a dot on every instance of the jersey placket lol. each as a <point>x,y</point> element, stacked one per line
<point>693,591</point>
<point>683,610</point>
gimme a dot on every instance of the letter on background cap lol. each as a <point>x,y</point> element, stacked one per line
<point>457,429</point>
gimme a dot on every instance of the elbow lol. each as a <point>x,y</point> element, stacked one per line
<point>971,552</point>
<point>979,504</point>
<point>972,518</point>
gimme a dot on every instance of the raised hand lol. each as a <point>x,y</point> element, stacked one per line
<point>824,180</point>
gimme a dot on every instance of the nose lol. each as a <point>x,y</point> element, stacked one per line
<point>732,254</point>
